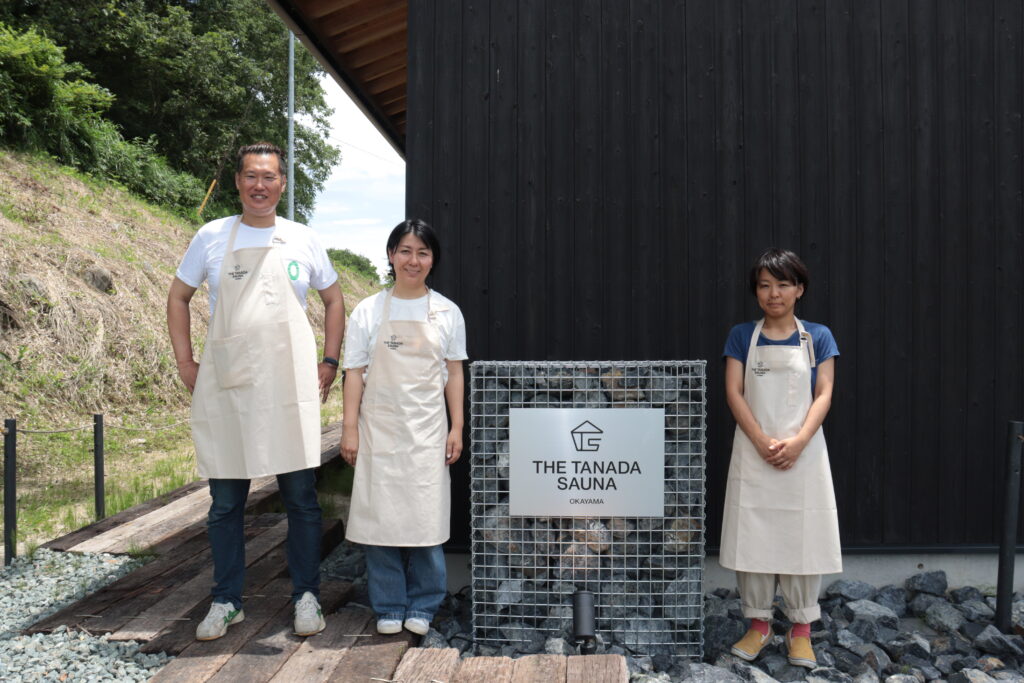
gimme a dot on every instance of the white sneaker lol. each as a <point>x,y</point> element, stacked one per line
<point>417,625</point>
<point>389,627</point>
<point>220,616</point>
<point>309,618</point>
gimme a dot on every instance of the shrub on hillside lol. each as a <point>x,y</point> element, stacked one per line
<point>354,262</point>
<point>47,105</point>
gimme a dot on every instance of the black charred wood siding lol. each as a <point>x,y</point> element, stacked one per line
<point>602,172</point>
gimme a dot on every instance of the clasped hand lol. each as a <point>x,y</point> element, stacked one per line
<point>781,454</point>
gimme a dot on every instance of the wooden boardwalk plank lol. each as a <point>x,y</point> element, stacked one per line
<point>592,668</point>
<point>372,656</point>
<point>427,665</point>
<point>260,658</point>
<point>67,541</point>
<point>317,657</point>
<point>485,670</point>
<point>200,660</point>
<point>539,669</point>
<point>149,623</point>
<point>132,604</point>
<point>181,634</point>
<point>148,529</point>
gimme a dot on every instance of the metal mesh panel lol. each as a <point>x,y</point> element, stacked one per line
<point>646,573</point>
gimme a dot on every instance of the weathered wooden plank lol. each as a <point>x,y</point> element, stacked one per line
<point>260,658</point>
<point>485,670</point>
<point>160,523</point>
<point>180,634</point>
<point>317,657</point>
<point>596,669</point>
<point>372,656</point>
<point>539,669</point>
<point>131,604</point>
<point>177,604</point>
<point>115,537</point>
<point>427,665</point>
<point>202,659</point>
<point>67,541</point>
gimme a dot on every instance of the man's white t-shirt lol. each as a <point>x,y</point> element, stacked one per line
<point>298,243</point>
<point>363,324</point>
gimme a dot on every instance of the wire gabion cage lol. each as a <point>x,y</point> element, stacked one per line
<point>646,572</point>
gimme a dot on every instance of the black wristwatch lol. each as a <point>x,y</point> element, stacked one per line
<point>330,361</point>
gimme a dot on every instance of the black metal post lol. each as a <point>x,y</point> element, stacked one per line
<point>97,453</point>
<point>10,490</point>
<point>1008,543</point>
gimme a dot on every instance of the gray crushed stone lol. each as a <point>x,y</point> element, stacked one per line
<point>34,587</point>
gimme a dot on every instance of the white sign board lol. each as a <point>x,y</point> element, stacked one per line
<point>587,462</point>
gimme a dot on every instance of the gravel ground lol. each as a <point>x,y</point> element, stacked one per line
<point>37,586</point>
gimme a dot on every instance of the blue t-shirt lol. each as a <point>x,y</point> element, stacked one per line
<point>738,343</point>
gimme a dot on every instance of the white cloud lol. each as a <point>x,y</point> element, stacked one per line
<point>365,196</point>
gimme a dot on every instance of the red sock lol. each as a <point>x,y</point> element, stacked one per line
<point>801,630</point>
<point>760,625</point>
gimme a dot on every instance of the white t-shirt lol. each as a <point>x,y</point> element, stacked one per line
<point>297,242</point>
<point>363,324</point>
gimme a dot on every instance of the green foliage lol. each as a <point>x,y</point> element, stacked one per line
<point>46,105</point>
<point>197,79</point>
<point>345,259</point>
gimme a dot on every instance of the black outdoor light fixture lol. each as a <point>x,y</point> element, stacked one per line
<point>583,622</point>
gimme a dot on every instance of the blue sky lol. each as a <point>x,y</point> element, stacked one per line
<point>365,196</point>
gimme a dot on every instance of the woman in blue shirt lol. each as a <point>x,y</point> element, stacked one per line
<point>780,525</point>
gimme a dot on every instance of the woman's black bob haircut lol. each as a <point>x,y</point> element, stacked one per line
<point>783,265</point>
<point>421,229</point>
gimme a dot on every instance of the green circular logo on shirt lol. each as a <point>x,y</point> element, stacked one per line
<point>293,270</point>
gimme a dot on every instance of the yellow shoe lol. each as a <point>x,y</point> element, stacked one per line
<point>800,652</point>
<point>750,645</point>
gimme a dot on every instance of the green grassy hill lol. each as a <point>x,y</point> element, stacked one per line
<point>84,272</point>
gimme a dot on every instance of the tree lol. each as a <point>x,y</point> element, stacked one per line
<point>199,78</point>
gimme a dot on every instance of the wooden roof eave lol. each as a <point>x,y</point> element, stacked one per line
<point>386,119</point>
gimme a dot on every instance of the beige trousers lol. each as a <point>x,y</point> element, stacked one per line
<point>800,591</point>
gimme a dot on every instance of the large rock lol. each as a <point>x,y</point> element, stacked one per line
<point>99,278</point>
<point>866,610</point>
<point>976,610</point>
<point>711,674</point>
<point>921,602</point>
<point>933,583</point>
<point>851,590</point>
<point>874,657</point>
<point>913,644</point>
<point>893,597</point>
<point>964,594</point>
<point>720,633</point>
<point>994,642</point>
<point>971,676</point>
<point>828,675</point>
<point>944,617</point>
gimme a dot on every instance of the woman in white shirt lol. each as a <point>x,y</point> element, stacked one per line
<point>403,360</point>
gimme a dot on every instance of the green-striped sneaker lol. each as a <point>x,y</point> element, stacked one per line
<point>309,618</point>
<point>220,616</point>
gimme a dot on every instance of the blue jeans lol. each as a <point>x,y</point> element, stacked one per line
<point>405,582</point>
<point>227,540</point>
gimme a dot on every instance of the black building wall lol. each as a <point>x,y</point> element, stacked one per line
<point>603,173</point>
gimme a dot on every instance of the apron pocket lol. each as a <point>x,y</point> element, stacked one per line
<point>232,360</point>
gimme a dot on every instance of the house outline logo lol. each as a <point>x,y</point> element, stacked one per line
<point>585,436</point>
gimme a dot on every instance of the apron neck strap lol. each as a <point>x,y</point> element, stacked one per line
<point>805,338</point>
<point>231,243</point>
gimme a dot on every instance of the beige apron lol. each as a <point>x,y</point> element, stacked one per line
<point>401,495</point>
<point>780,522</point>
<point>256,404</point>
